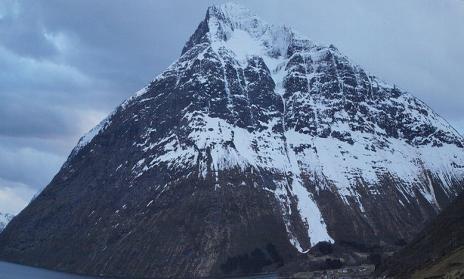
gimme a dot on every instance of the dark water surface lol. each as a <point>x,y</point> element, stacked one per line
<point>16,271</point>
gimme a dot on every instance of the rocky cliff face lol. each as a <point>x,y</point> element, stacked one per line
<point>253,146</point>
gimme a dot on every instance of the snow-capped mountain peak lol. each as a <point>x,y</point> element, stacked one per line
<point>259,96</point>
<point>243,31</point>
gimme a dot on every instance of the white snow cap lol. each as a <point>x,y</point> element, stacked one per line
<point>233,23</point>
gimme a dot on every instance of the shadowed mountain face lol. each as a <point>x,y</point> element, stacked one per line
<point>253,146</point>
<point>436,252</point>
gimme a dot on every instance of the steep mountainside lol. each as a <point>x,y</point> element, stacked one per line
<point>249,149</point>
<point>436,252</point>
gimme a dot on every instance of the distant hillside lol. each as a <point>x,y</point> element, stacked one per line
<point>5,218</point>
<point>437,252</point>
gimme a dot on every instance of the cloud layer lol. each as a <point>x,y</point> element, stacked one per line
<point>65,64</point>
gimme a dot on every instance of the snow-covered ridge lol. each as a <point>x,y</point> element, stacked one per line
<point>102,125</point>
<point>5,218</point>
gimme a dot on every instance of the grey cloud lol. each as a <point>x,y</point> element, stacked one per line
<point>44,99</point>
<point>14,196</point>
<point>27,120</point>
<point>21,33</point>
<point>28,166</point>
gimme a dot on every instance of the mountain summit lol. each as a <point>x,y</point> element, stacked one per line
<point>251,148</point>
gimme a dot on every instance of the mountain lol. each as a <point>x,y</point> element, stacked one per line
<point>436,252</point>
<point>251,148</point>
<point>5,218</point>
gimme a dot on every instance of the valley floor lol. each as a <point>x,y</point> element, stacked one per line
<point>362,271</point>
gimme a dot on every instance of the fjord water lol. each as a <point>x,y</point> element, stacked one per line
<point>16,271</point>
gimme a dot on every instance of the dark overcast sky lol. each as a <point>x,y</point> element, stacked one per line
<point>64,65</point>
